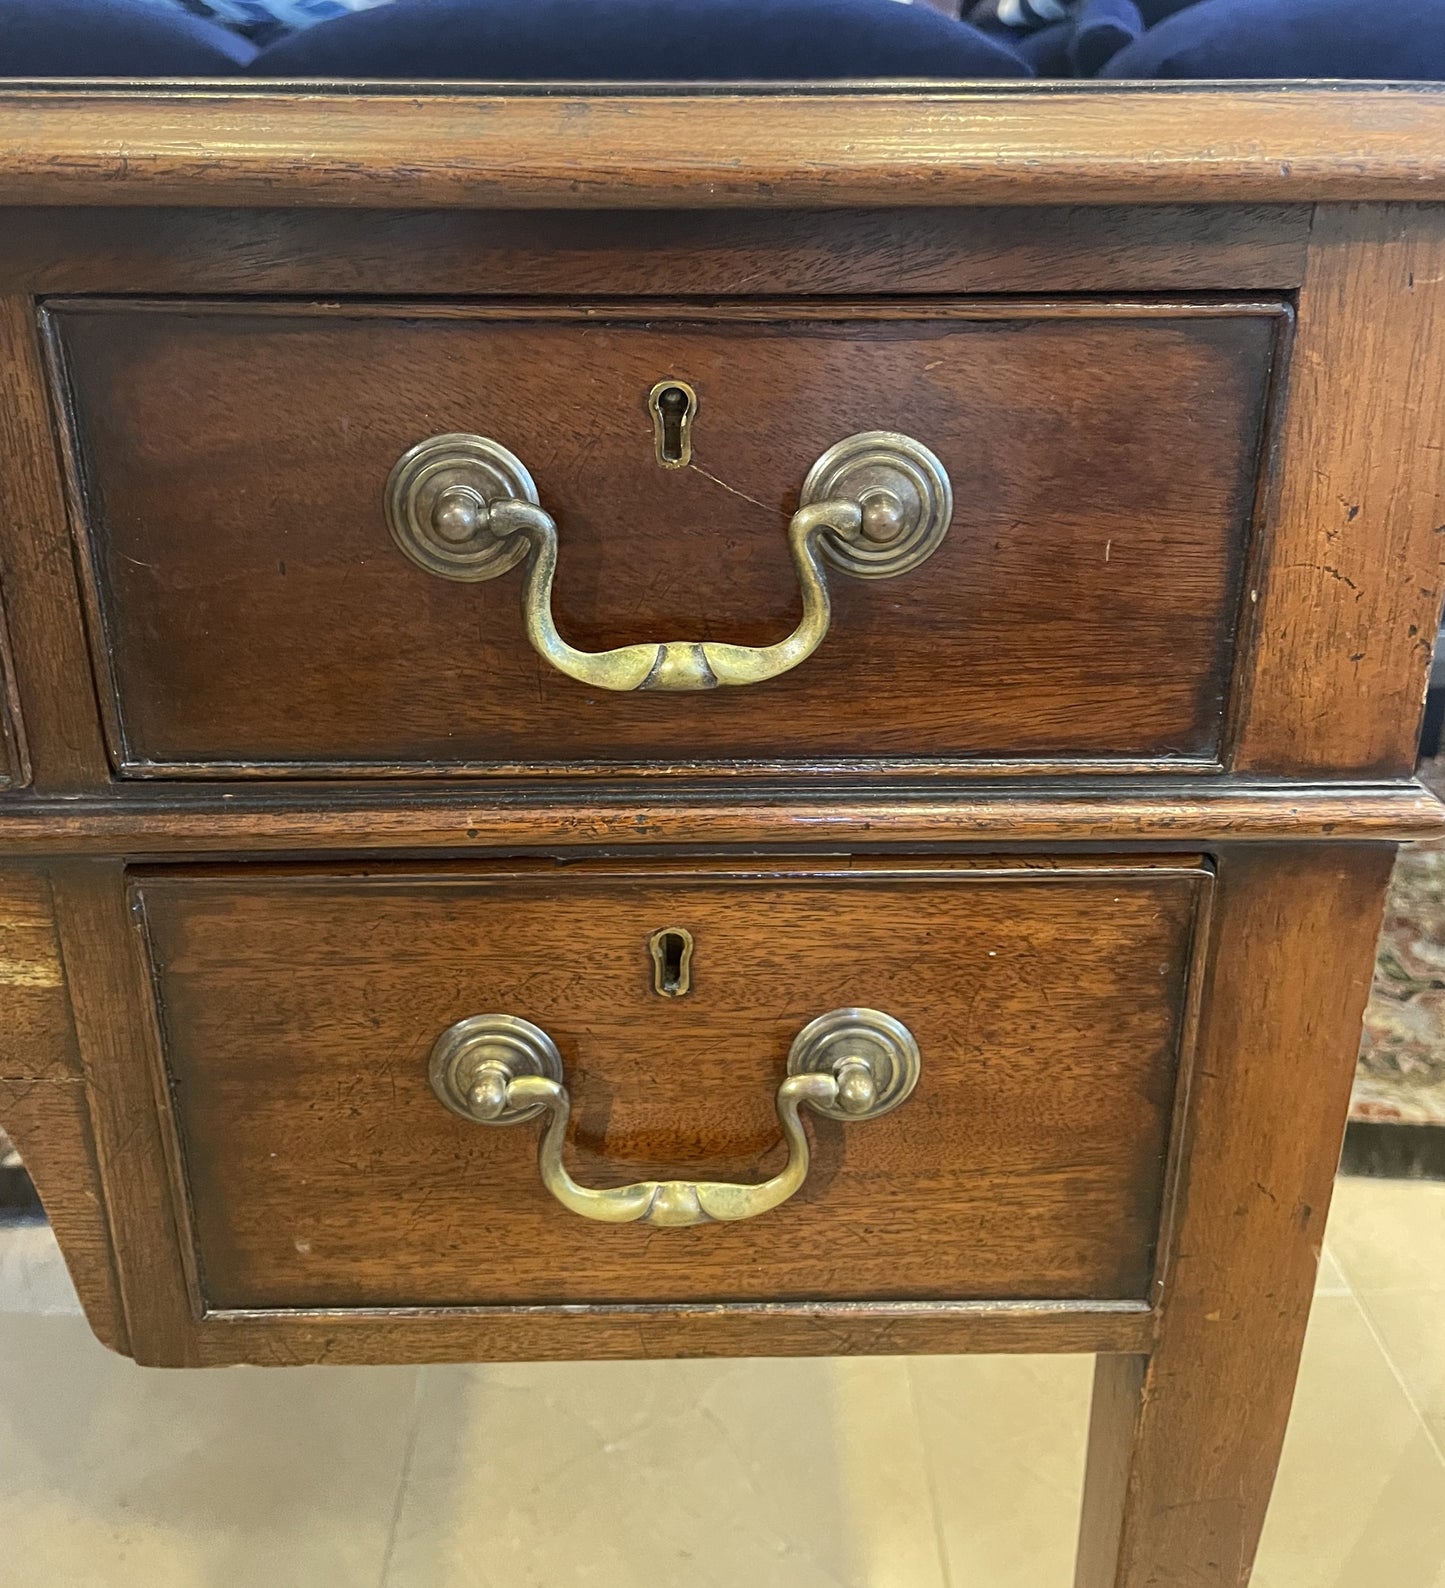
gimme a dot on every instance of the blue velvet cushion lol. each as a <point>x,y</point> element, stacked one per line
<point>1079,46</point>
<point>1402,40</point>
<point>113,38</point>
<point>646,40</point>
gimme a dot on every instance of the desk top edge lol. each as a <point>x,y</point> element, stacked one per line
<point>723,146</point>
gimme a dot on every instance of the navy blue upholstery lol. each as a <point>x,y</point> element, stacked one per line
<point>1083,42</point>
<point>1101,29</point>
<point>648,40</point>
<point>113,38</point>
<point>1404,40</point>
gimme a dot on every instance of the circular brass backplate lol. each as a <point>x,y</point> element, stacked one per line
<point>463,1049</point>
<point>886,1045</point>
<point>884,466</point>
<point>476,466</point>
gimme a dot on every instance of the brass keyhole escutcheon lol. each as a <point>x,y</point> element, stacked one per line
<point>673,405</point>
<point>671,951</point>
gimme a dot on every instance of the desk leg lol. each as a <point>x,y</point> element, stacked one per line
<point>1184,1442</point>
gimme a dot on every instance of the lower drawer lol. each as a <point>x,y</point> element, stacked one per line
<point>300,1015</point>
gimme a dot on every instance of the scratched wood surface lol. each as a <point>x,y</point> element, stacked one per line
<point>567,816</point>
<point>1349,605</point>
<point>255,611</point>
<point>560,146</point>
<point>298,1011</point>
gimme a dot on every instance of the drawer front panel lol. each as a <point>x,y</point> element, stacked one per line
<point>298,1012</point>
<point>256,616</point>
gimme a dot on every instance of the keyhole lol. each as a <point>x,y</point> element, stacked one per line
<point>674,406</point>
<point>671,961</point>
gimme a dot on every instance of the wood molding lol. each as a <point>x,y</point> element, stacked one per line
<point>537,1334</point>
<point>725,254</point>
<point>824,147</point>
<point>548,816</point>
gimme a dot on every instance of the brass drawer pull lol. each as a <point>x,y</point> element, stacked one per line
<point>873,506</point>
<point>850,1064</point>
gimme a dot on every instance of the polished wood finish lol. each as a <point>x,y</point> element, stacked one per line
<point>37,1042</point>
<point>49,1122</point>
<point>541,1334</point>
<point>1371,298</point>
<point>1081,610</point>
<point>46,632</point>
<point>298,1011</point>
<point>14,767</point>
<point>558,146</point>
<point>1185,1441</point>
<point>115,1033</point>
<point>43,1099</point>
<point>560,817</point>
<point>644,253</point>
<point>946,212</point>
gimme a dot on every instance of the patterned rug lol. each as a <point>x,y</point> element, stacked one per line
<point>1401,1078</point>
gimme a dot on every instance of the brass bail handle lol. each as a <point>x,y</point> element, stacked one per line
<point>849,1064</point>
<point>873,506</point>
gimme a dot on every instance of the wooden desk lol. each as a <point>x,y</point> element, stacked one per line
<point>463,669</point>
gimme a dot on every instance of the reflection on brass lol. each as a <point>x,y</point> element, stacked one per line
<point>673,406</point>
<point>873,506</point>
<point>671,951</point>
<point>850,1064</point>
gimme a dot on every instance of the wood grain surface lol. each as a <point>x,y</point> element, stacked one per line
<point>256,613</point>
<point>53,679</point>
<point>541,1334</point>
<point>642,253</point>
<point>552,146</point>
<point>49,1122</point>
<point>14,763</point>
<point>298,1011</point>
<point>1185,1443</point>
<point>36,1038</point>
<point>114,1024</point>
<point>565,816</point>
<point>1349,604</point>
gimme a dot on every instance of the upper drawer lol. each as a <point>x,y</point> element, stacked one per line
<point>256,615</point>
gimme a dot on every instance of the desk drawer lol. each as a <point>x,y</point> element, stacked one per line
<point>253,614</point>
<point>300,1013</point>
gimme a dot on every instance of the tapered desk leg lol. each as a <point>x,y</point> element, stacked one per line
<point>1184,1442</point>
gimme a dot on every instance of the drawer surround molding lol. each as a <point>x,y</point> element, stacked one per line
<point>1327,198</point>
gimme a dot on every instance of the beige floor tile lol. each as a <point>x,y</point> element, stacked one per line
<point>1360,1500</point>
<point>1330,1277</point>
<point>1411,1327</point>
<point>805,1474</point>
<point>1389,1234</point>
<point>33,1276</point>
<point>114,1476</point>
<point>1005,1440</point>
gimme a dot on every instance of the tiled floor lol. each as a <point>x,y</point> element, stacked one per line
<point>868,1474</point>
